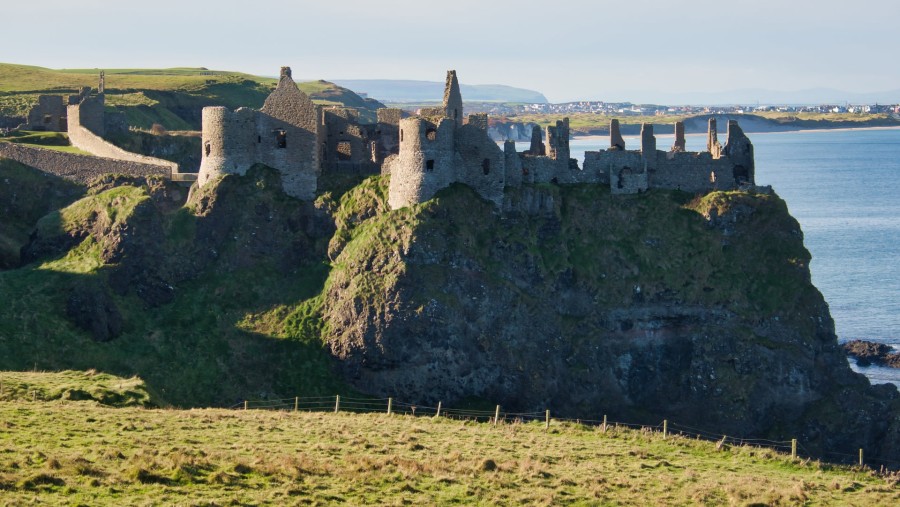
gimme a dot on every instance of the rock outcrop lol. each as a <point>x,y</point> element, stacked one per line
<point>868,353</point>
<point>644,308</point>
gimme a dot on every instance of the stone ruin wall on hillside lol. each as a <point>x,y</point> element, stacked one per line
<point>426,164</point>
<point>74,167</point>
<point>286,134</point>
<point>86,139</point>
<point>86,120</point>
<point>439,147</point>
<point>423,154</point>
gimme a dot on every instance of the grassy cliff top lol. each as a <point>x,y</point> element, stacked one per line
<point>170,93</point>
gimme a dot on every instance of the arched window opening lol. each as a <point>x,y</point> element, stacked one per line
<point>429,165</point>
<point>431,134</point>
<point>486,166</point>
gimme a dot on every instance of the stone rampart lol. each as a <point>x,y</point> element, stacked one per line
<point>86,140</point>
<point>74,167</point>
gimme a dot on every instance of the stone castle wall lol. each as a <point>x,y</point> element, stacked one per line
<point>286,134</point>
<point>426,163</point>
<point>74,167</point>
<point>85,139</point>
<point>48,114</point>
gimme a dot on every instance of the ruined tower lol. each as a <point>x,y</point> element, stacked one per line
<point>453,104</point>
<point>439,149</point>
<point>285,135</point>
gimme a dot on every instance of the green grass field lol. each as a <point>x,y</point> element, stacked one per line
<point>84,453</point>
<point>170,97</point>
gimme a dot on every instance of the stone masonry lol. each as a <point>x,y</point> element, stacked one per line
<point>439,147</point>
<point>437,150</point>
<point>74,167</point>
<point>285,134</point>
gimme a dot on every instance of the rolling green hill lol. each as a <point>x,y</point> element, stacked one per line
<point>171,97</point>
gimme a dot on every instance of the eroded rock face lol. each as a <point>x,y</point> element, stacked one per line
<point>91,308</point>
<point>638,308</point>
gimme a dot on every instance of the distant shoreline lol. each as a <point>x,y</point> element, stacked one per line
<point>591,137</point>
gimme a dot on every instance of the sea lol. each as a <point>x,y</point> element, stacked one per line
<point>843,186</point>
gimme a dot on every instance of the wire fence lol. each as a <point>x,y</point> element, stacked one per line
<point>390,406</point>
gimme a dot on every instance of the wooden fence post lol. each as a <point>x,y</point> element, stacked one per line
<point>665,428</point>
<point>296,403</point>
<point>438,413</point>
<point>337,403</point>
<point>604,423</point>
<point>496,415</point>
<point>547,419</point>
<point>860,457</point>
<point>390,404</point>
<point>245,404</point>
<point>793,448</point>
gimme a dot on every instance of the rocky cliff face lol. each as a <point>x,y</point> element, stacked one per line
<point>658,305</point>
<point>642,307</point>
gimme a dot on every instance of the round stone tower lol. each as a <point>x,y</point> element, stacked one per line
<point>229,142</point>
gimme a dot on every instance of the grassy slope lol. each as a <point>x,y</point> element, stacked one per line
<point>204,348</point>
<point>102,388</point>
<point>26,195</point>
<point>80,453</point>
<point>170,97</point>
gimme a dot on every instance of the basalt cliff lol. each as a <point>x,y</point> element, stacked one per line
<point>662,304</point>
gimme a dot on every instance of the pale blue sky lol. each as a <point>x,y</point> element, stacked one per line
<point>566,49</point>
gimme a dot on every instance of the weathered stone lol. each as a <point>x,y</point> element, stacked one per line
<point>285,134</point>
<point>740,151</point>
<point>537,145</point>
<point>712,140</point>
<point>616,142</point>
<point>453,104</point>
<point>679,144</point>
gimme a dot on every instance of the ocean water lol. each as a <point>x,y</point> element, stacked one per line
<point>843,186</point>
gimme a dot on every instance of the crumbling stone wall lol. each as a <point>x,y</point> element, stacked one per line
<point>483,162</point>
<point>387,132</point>
<point>453,104</point>
<point>85,139</point>
<point>48,114</point>
<point>347,146</point>
<point>74,167</point>
<point>89,114</point>
<point>286,134</point>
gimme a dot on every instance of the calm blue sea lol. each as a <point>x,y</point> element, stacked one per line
<point>843,186</point>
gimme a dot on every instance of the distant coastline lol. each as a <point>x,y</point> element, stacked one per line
<point>510,128</point>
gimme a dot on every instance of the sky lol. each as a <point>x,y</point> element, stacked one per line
<point>569,50</point>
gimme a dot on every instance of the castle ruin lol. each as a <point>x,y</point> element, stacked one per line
<point>439,147</point>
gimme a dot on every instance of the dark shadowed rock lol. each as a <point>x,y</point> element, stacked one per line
<point>91,308</point>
